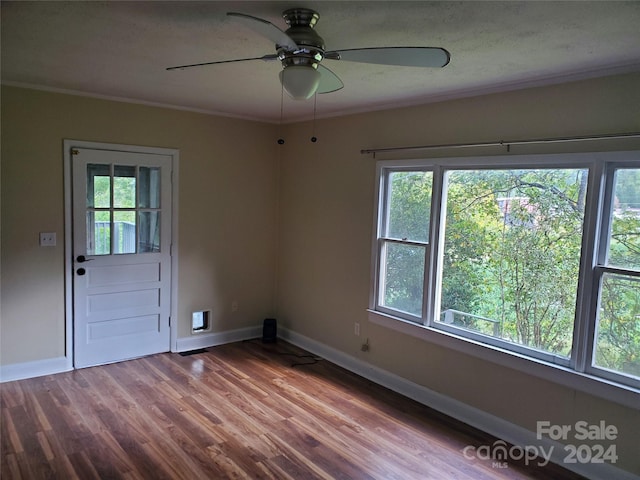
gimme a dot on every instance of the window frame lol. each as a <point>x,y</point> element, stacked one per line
<point>382,240</point>
<point>601,268</point>
<point>579,369</point>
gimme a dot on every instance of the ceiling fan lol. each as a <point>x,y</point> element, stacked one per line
<point>301,49</point>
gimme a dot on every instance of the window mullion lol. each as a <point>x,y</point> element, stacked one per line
<point>380,212</point>
<point>605,210</point>
<point>619,271</point>
<point>382,267</point>
<point>588,280</point>
<point>136,209</point>
<point>112,239</point>
<point>383,226</point>
<point>404,241</point>
<point>426,297</point>
<point>433,266</point>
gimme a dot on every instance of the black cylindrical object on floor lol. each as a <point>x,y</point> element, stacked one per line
<point>269,330</point>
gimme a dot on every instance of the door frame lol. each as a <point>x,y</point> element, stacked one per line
<point>68,144</point>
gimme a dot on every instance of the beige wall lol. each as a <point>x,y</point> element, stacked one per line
<point>327,200</point>
<point>236,185</point>
<point>226,211</point>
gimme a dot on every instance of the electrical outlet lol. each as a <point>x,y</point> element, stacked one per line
<point>47,239</point>
<point>365,346</point>
<point>356,329</point>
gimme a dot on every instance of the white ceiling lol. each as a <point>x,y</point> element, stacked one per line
<point>121,49</point>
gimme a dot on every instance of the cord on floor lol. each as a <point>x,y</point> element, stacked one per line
<point>315,358</point>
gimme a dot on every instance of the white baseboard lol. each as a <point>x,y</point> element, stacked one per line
<point>496,426</point>
<point>204,340</point>
<point>38,368</point>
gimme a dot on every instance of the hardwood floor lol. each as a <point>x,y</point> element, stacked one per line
<point>235,411</point>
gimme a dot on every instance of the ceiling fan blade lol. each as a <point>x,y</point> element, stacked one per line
<point>329,81</point>
<point>266,29</point>
<point>401,56</point>
<point>266,58</point>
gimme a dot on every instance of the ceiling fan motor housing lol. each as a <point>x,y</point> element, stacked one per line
<point>311,45</point>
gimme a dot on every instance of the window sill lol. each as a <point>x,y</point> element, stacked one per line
<point>611,391</point>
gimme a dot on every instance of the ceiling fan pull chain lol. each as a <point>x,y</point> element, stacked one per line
<point>280,139</point>
<point>314,139</point>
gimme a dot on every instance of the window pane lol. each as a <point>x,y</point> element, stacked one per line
<point>624,232</point>
<point>409,205</point>
<point>98,233</point>
<point>124,187</point>
<point>149,232</point>
<point>511,254</point>
<point>618,339</point>
<point>124,232</point>
<point>98,186</point>
<point>149,187</point>
<point>403,277</point>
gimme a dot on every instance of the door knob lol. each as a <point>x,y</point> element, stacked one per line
<point>82,258</point>
<point>81,271</point>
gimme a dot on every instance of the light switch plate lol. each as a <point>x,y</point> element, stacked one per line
<point>47,239</point>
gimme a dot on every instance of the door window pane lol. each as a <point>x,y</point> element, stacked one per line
<point>403,277</point>
<point>149,194</point>
<point>117,197</point>
<point>98,232</point>
<point>124,187</point>
<point>511,254</point>
<point>149,232</point>
<point>409,205</point>
<point>618,335</point>
<point>98,186</point>
<point>124,232</point>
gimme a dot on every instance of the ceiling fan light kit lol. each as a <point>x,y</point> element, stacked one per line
<point>301,49</point>
<point>300,81</point>
<point>300,76</point>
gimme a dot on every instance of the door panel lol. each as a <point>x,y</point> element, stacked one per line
<point>123,274</point>
<point>121,251</point>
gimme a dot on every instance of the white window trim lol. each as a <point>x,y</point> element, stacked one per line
<point>578,373</point>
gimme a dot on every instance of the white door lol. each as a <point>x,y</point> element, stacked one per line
<point>121,255</point>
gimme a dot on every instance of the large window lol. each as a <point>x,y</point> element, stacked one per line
<point>508,252</point>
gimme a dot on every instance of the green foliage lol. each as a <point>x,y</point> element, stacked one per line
<point>624,247</point>
<point>628,188</point>
<point>404,278</point>
<point>410,205</point>
<point>511,254</point>
<point>618,346</point>
<point>409,210</point>
<point>124,196</point>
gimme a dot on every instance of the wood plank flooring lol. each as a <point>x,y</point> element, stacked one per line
<point>243,410</point>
